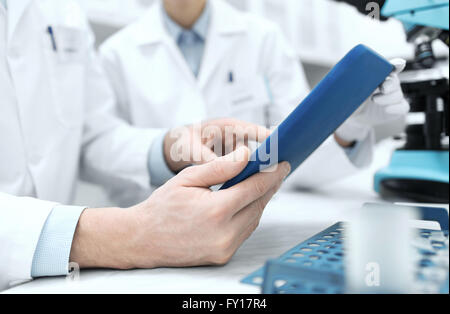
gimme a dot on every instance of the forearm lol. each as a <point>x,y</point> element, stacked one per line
<point>103,239</point>
<point>317,171</point>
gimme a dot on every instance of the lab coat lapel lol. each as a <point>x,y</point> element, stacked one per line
<point>180,60</point>
<point>153,31</point>
<point>226,27</point>
<point>16,9</point>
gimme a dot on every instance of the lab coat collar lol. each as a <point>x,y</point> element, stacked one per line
<point>227,24</point>
<point>200,27</point>
<point>150,28</point>
<point>15,11</point>
<point>224,21</point>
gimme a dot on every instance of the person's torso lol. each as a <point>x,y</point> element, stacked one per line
<point>41,82</point>
<point>162,91</point>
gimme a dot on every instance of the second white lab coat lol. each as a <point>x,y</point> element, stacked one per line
<point>55,113</point>
<point>156,88</point>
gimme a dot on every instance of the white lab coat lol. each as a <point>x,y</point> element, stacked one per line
<point>55,112</point>
<point>156,88</point>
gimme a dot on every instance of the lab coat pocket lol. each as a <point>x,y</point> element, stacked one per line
<point>66,59</point>
<point>242,98</point>
<point>68,93</point>
<point>71,44</point>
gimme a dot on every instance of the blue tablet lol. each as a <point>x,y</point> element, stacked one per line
<point>348,85</point>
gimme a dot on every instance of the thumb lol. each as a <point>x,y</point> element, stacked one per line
<point>399,64</point>
<point>216,172</point>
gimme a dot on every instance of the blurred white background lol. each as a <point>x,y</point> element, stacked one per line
<point>322,31</point>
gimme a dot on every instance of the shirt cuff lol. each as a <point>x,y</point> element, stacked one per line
<point>159,171</point>
<point>361,154</point>
<point>52,254</point>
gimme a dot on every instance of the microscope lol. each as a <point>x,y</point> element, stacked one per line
<point>419,171</point>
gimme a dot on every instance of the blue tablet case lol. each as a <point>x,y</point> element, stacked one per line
<point>326,108</point>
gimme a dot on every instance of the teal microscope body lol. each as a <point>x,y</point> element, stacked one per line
<point>420,170</point>
<point>416,165</point>
<point>415,175</point>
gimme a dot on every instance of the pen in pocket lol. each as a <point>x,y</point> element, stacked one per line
<point>230,77</point>
<point>52,37</point>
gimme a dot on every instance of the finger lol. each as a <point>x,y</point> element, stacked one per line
<point>216,172</point>
<point>252,189</point>
<point>253,132</point>
<point>202,153</point>
<point>240,137</point>
<point>246,221</point>
<point>390,85</point>
<point>207,154</point>
<point>399,109</point>
<point>196,150</point>
<point>234,146</point>
<point>387,100</point>
<point>253,211</point>
<point>229,142</point>
<point>399,65</point>
<point>378,90</point>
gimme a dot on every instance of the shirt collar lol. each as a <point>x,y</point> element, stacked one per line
<point>152,27</point>
<point>200,27</point>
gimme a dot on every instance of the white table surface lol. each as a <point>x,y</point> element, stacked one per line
<point>291,218</point>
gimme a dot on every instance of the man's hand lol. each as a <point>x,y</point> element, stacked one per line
<point>385,105</point>
<point>204,142</point>
<point>183,223</point>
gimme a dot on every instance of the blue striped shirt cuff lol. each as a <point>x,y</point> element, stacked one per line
<point>52,254</point>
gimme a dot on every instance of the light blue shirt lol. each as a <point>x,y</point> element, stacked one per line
<point>52,254</point>
<point>4,3</point>
<point>191,42</point>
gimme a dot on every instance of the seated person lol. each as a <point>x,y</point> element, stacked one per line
<point>193,60</point>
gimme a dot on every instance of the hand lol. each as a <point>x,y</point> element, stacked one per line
<point>202,143</point>
<point>386,104</point>
<point>183,223</point>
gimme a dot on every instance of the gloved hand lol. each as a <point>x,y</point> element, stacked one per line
<point>386,104</point>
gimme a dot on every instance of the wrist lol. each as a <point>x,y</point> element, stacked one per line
<point>351,132</point>
<point>102,239</point>
<point>343,143</point>
<point>174,165</point>
<point>167,146</point>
